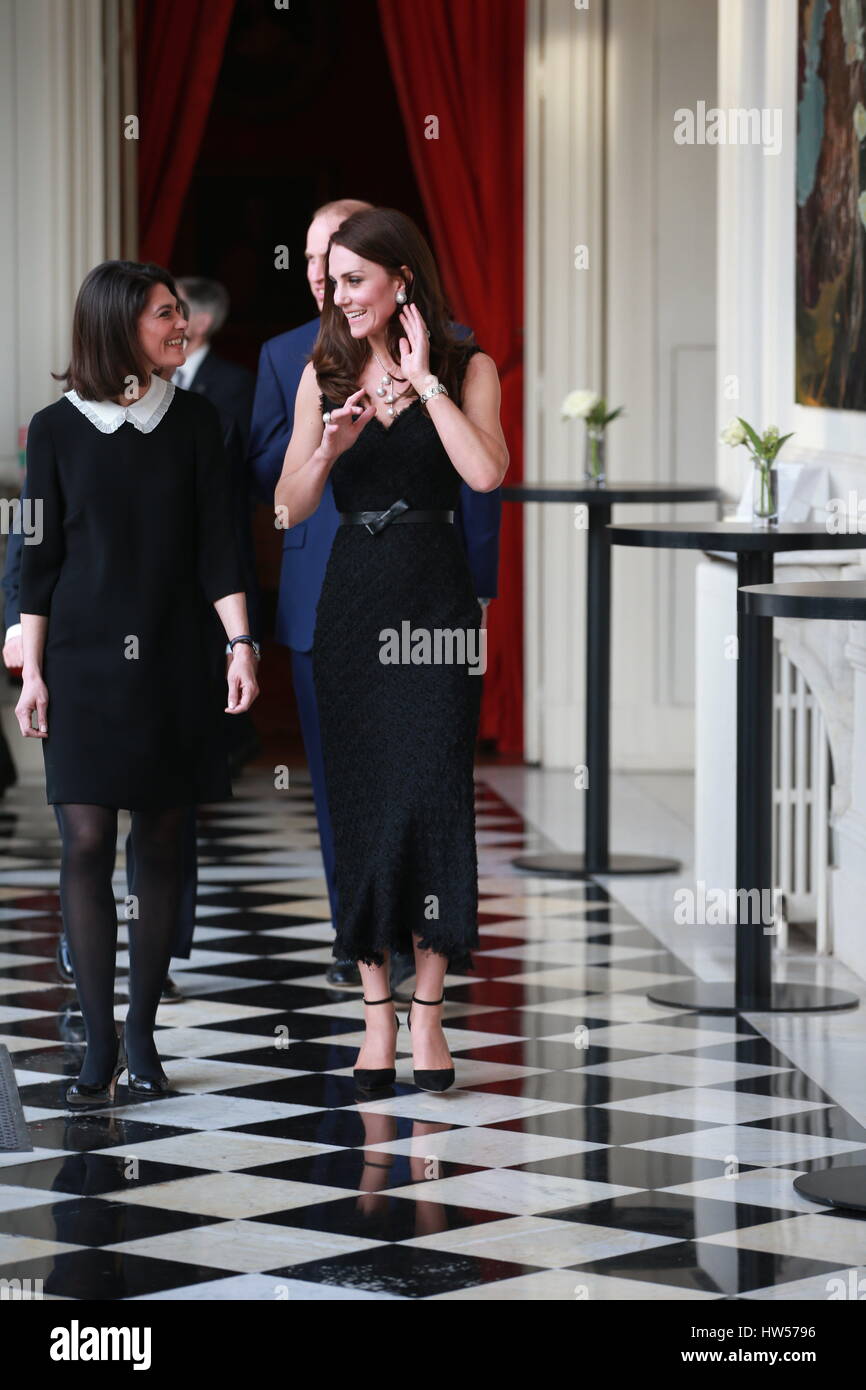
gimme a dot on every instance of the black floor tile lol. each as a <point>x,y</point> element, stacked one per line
<point>669,1214</point>
<point>384,1216</point>
<point>404,1271</point>
<point>103,1274</point>
<point>94,1221</point>
<point>709,1268</point>
<point>90,1174</point>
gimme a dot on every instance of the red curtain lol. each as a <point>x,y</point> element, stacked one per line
<point>179,53</point>
<point>459,64</point>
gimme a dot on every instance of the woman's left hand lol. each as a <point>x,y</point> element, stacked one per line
<point>242,683</point>
<point>415,347</point>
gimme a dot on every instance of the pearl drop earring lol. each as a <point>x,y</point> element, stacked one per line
<point>400,296</point>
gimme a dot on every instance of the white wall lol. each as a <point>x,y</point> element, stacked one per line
<point>756,239</point>
<point>756,347</point>
<point>603,170</point>
<point>58,92</point>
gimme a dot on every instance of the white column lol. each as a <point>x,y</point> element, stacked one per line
<point>848,877</point>
<point>756,228</point>
<point>756,337</point>
<point>564,348</point>
<point>58,90</point>
<point>660,345</point>
<point>637,324</point>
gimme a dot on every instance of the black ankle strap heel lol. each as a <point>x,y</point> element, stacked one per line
<point>438,1080</point>
<point>377,1078</point>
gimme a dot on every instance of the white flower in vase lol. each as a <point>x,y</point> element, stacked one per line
<point>733,433</point>
<point>590,407</point>
<point>764,449</point>
<point>579,404</point>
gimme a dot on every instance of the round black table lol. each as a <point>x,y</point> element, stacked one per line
<point>843,599</point>
<point>754,989</point>
<point>599,499</point>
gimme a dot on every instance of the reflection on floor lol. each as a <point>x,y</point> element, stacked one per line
<point>595,1146</point>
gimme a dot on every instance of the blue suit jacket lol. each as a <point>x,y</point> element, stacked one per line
<point>307,546</point>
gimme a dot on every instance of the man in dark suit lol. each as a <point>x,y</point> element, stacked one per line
<point>307,546</point>
<point>230,386</point>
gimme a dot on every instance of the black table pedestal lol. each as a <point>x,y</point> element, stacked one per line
<point>568,865</point>
<point>845,599</point>
<point>719,996</point>
<point>834,1187</point>
<point>754,990</point>
<point>596,857</point>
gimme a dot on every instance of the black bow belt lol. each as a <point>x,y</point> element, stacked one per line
<point>398,511</point>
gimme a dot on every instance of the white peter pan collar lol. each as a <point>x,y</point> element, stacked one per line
<point>145,413</point>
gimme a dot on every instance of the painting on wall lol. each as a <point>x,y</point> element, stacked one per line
<point>831,205</point>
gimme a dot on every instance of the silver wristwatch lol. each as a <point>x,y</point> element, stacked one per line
<point>246,641</point>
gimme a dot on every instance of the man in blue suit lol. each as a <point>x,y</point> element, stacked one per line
<point>307,546</point>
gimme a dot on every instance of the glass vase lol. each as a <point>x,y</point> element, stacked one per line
<point>765,495</point>
<point>594,464</point>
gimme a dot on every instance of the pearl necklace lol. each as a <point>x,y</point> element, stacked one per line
<point>387,382</point>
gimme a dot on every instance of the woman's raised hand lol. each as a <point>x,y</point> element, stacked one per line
<point>345,424</point>
<point>415,347</point>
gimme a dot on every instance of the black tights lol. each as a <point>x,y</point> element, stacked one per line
<point>89,835</point>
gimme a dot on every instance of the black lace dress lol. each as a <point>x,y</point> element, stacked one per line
<point>398,738</point>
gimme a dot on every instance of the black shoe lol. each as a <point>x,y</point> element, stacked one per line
<point>64,961</point>
<point>438,1080</point>
<point>376,1078</point>
<point>145,1085</point>
<point>343,972</point>
<point>402,969</point>
<point>80,1096</point>
<point>170,992</point>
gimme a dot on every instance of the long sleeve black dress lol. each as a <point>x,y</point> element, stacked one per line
<point>136,541</point>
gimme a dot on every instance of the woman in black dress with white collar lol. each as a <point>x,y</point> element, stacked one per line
<point>131,485</point>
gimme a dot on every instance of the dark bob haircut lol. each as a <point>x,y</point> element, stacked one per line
<point>105,347</point>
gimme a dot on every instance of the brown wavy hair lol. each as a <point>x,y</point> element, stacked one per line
<point>390,239</point>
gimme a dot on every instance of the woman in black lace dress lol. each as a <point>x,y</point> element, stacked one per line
<point>399,414</point>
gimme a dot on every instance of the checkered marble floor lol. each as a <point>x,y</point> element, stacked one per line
<point>594,1145</point>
